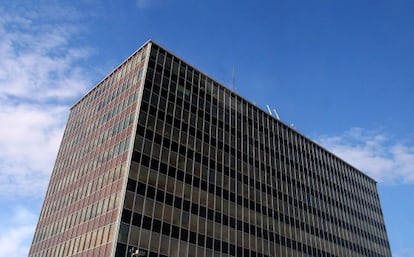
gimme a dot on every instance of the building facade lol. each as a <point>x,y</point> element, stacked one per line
<point>161,158</point>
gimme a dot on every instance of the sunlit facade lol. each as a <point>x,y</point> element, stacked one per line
<point>163,159</point>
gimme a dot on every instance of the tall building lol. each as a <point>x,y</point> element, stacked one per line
<point>159,159</point>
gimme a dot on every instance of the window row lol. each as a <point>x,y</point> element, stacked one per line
<point>220,246</point>
<point>193,134</point>
<point>76,218</point>
<point>196,154</point>
<point>73,146</point>
<point>59,187</point>
<point>186,149</point>
<point>85,242</point>
<point>168,198</point>
<point>123,70</point>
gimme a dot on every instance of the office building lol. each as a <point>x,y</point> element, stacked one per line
<point>159,159</point>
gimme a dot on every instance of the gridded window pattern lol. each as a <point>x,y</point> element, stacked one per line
<point>161,158</point>
<point>85,193</point>
<point>213,175</point>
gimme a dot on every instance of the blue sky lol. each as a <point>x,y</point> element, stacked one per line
<point>341,71</point>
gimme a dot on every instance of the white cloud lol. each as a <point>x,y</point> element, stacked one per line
<point>30,136</point>
<point>37,60</point>
<point>16,235</point>
<point>41,71</point>
<point>374,153</point>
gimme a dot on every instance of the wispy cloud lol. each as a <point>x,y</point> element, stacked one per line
<point>16,234</point>
<point>38,61</point>
<point>41,73</point>
<point>376,154</point>
<point>29,135</point>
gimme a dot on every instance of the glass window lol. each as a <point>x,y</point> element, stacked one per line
<point>176,216</point>
<point>129,199</point>
<point>139,204</point>
<point>167,213</point>
<point>185,219</point>
<point>147,147</point>
<point>145,237</point>
<point>158,210</point>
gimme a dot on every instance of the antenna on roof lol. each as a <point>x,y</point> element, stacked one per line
<point>268,108</point>
<point>276,114</point>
